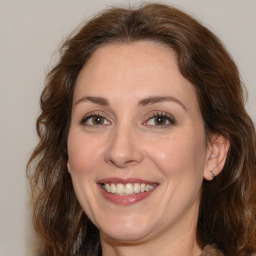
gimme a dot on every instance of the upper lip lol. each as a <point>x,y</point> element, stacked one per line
<point>124,181</point>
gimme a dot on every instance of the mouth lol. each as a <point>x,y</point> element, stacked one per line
<point>126,191</point>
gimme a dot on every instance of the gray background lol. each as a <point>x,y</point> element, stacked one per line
<point>30,32</point>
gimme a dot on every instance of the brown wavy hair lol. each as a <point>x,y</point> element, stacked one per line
<point>227,214</point>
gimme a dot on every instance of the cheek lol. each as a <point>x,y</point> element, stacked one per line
<point>179,155</point>
<point>83,153</point>
<point>83,157</point>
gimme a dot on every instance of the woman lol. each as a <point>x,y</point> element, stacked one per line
<point>145,146</point>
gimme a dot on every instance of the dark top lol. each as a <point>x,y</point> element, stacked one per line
<point>211,250</point>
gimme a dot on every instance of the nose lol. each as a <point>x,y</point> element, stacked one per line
<point>123,148</point>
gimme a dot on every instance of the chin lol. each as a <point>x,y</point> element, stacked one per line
<point>127,231</point>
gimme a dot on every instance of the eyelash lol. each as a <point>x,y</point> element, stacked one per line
<point>93,115</point>
<point>165,116</point>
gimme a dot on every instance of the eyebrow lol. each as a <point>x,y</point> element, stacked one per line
<point>147,101</point>
<point>159,99</point>
<point>97,100</point>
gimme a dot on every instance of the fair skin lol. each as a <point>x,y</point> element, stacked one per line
<point>135,119</point>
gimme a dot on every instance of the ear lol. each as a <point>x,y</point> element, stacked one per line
<point>68,166</point>
<point>218,147</point>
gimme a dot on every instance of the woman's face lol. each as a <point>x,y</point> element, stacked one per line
<point>136,126</point>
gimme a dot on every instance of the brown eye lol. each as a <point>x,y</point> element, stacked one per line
<point>95,120</point>
<point>160,120</point>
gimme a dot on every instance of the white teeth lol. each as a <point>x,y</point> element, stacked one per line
<point>136,188</point>
<point>119,189</point>
<point>127,189</point>
<point>113,188</point>
<point>107,187</point>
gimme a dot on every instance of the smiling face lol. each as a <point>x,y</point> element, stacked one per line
<point>136,146</point>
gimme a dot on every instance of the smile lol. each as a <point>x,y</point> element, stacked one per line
<point>128,189</point>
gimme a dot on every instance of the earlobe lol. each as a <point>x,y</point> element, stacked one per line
<point>216,156</point>
<point>68,166</point>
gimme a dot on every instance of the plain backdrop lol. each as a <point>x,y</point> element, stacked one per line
<point>30,33</point>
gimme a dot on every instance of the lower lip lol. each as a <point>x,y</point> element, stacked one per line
<point>125,200</point>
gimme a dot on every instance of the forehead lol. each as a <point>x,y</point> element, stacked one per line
<point>133,70</point>
<point>132,58</point>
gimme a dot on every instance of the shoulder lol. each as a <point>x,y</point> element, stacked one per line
<point>211,250</point>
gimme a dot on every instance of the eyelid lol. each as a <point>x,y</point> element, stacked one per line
<point>93,114</point>
<point>155,114</point>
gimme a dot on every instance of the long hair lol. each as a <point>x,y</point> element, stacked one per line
<point>227,214</point>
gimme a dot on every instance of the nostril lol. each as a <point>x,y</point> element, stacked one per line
<point>123,150</point>
<point>121,163</point>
